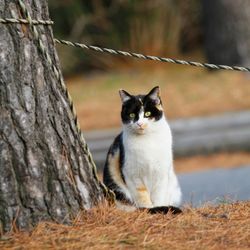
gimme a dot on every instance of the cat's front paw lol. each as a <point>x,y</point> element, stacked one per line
<point>165,210</point>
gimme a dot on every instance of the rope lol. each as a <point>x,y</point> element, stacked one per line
<point>24,21</point>
<point>154,58</point>
<point>120,52</point>
<point>107,192</point>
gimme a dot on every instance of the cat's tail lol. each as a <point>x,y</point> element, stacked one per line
<point>164,210</point>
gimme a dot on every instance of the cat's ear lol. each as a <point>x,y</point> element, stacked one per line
<point>125,96</point>
<point>154,94</point>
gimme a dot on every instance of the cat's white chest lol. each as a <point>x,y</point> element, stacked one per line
<point>148,157</point>
<point>148,169</point>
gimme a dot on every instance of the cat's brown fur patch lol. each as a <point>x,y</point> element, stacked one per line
<point>143,197</point>
<point>114,168</point>
<point>141,189</point>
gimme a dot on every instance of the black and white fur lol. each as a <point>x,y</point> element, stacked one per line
<point>139,164</point>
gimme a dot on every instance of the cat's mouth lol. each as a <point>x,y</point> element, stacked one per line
<point>140,131</point>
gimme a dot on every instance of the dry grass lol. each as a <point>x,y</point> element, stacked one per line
<point>224,227</point>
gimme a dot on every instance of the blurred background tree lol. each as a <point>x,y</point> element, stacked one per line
<point>160,27</point>
<point>227,31</point>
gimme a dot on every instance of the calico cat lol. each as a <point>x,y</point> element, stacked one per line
<point>139,164</point>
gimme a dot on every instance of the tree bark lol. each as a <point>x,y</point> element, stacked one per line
<point>44,171</point>
<point>227,31</point>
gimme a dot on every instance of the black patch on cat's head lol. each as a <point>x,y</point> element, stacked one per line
<point>133,104</point>
<point>152,102</point>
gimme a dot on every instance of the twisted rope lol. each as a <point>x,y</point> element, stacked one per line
<point>108,193</point>
<point>24,21</point>
<point>120,52</point>
<point>154,58</point>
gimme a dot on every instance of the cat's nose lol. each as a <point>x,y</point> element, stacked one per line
<point>140,124</point>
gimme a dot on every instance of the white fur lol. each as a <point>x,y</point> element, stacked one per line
<point>149,162</point>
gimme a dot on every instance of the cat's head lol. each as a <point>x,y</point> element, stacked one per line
<point>141,113</point>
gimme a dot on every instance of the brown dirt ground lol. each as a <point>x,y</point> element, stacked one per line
<point>185,92</point>
<point>224,227</point>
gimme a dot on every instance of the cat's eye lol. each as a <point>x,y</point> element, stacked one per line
<point>147,114</point>
<point>132,115</point>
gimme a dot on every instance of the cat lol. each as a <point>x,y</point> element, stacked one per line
<point>139,163</point>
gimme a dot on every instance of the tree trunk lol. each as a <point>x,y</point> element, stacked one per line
<point>44,169</point>
<point>227,31</point>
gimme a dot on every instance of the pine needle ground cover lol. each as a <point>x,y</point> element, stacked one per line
<point>226,226</point>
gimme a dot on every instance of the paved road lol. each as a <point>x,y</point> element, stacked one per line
<point>216,185</point>
<point>200,135</point>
